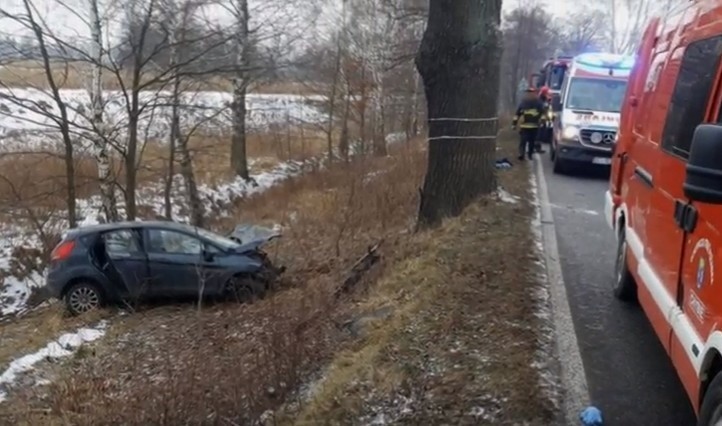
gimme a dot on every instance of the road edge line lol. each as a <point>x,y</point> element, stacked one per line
<point>574,383</point>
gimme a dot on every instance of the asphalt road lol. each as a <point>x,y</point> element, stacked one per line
<point>629,376</point>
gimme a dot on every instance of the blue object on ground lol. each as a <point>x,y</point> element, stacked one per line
<point>503,164</point>
<point>591,416</point>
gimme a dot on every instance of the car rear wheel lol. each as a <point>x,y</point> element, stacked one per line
<point>83,297</point>
<point>244,289</point>
<point>624,286</point>
<point>710,414</point>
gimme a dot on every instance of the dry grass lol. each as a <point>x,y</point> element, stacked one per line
<point>75,75</point>
<point>37,180</point>
<point>464,333</point>
<point>154,367</point>
<point>459,346</point>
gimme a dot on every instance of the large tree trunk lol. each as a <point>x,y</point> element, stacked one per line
<point>459,62</point>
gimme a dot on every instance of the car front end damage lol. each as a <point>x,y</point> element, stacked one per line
<point>252,239</point>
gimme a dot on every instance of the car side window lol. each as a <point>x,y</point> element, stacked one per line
<point>173,242</point>
<point>692,90</point>
<point>121,241</point>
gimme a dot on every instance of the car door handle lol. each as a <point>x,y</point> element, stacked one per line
<point>685,216</point>
<point>644,176</point>
<point>119,255</point>
<point>690,219</point>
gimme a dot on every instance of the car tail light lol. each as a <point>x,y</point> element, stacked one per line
<point>62,251</point>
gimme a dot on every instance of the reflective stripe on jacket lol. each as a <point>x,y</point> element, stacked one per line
<point>529,114</point>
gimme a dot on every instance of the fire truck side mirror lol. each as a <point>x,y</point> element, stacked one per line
<point>703,180</point>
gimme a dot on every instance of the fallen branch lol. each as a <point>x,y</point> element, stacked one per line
<point>363,265</point>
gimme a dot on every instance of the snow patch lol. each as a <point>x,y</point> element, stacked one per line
<point>506,196</point>
<point>62,347</point>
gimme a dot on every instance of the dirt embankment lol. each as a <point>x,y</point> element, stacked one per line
<point>448,328</point>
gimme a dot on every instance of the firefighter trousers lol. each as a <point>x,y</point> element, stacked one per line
<point>527,140</point>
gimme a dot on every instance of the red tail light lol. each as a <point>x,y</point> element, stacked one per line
<point>62,251</point>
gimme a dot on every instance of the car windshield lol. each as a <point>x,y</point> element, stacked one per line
<point>219,240</point>
<point>594,94</point>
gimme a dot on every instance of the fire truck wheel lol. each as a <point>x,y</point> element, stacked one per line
<point>711,411</point>
<point>624,286</point>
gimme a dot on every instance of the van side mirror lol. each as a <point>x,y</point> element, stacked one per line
<point>703,180</point>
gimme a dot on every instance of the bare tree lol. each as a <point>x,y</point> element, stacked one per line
<point>107,188</point>
<point>459,55</point>
<point>30,21</point>
<point>529,39</point>
<point>178,18</point>
<point>382,29</point>
<point>241,81</point>
<point>583,31</point>
<point>628,18</point>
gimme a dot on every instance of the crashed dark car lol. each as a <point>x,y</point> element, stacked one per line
<point>130,261</point>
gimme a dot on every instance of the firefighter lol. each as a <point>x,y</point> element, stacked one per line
<point>547,119</point>
<point>527,119</point>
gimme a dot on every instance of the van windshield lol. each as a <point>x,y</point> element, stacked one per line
<point>595,94</point>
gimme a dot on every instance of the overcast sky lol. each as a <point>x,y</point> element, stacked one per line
<point>68,18</point>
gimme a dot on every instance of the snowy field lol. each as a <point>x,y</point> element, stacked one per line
<point>28,117</point>
<point>26,124</point>
<point>15,290</point>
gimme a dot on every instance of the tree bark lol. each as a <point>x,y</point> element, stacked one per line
<point>379,134</point>
<point>134,111</point>
<point>459,61</point>
<point>180,141</point>
<point>107,190</point>
<point>239,159</point>
<point>343,141</point>
<point>363,107</point>
<point>131,152</point>
<point>168,185</point>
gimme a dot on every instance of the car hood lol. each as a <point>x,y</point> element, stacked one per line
<point>252,237</point>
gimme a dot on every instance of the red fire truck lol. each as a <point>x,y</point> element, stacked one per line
<point>552,74</point>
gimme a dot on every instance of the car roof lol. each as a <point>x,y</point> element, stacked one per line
<point>106,227</point>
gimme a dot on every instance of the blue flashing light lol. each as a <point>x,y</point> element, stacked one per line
<point>606,60</point>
